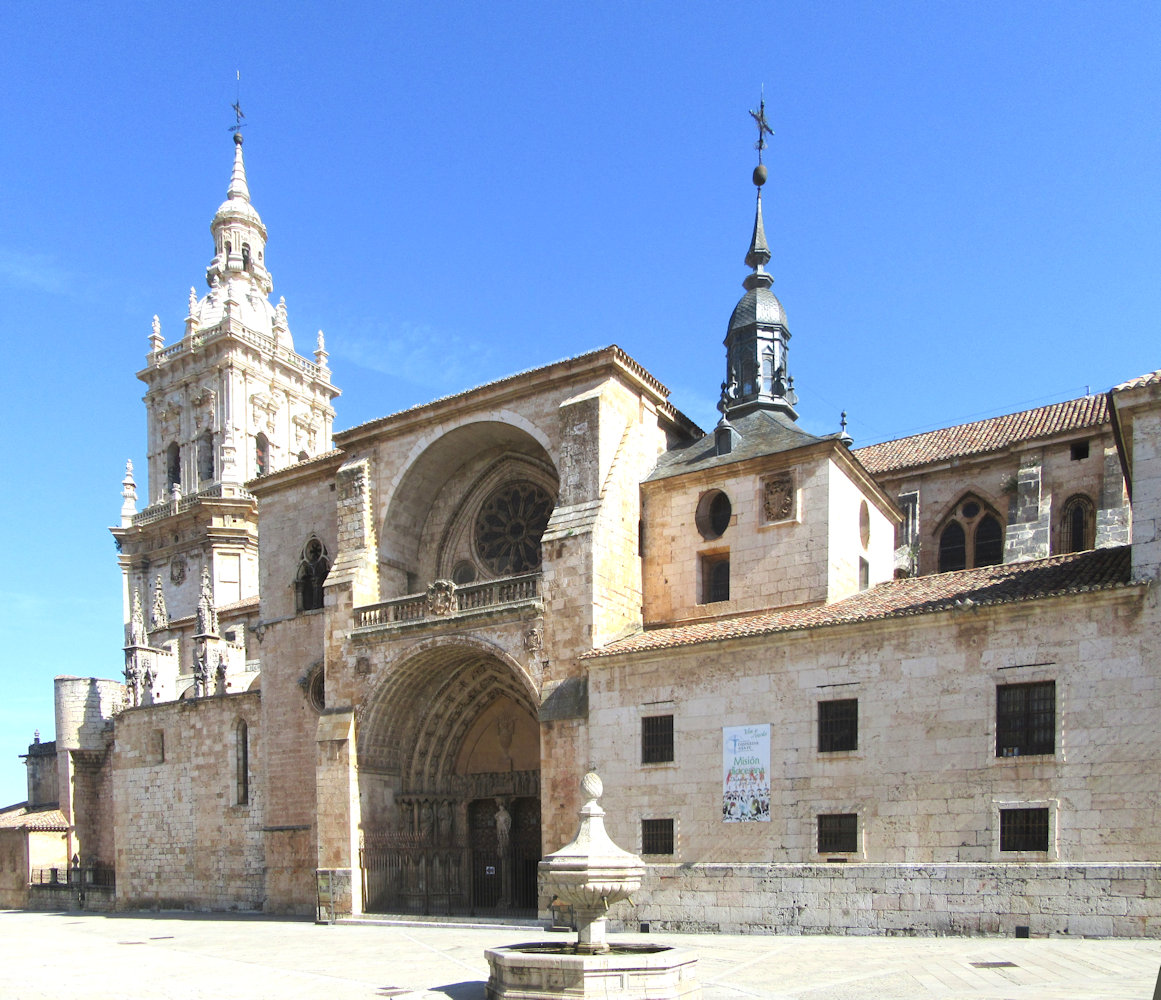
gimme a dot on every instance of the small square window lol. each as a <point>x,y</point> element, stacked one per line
<point>657,739</point>
<point>1079,450</point>
<point>657,836</point>
<point>715,579</point>
<point>1024,829</point>
<point>838,725</point>
<point>1026,719</point>
<point>838,833</point>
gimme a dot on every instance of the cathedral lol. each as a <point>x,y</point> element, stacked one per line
<point>908,688</point>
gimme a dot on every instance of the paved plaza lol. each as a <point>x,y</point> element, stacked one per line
<point>179,956</point>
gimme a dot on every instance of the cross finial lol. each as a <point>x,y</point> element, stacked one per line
<point>764,128</point>
<point>237,106</point>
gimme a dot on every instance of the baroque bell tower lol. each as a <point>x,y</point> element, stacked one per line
<point>229,401</point>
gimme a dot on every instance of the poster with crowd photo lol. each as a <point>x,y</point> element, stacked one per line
<point>746,774</point>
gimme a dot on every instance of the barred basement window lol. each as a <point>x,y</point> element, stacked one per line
<point>1025,719</point>
<point>656,836</point>
<point>656,739</point>
<point>838,833</point>
<point>1024,829</point>
<point>838,725</point>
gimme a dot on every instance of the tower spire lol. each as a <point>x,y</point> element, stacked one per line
<point>757,336</point>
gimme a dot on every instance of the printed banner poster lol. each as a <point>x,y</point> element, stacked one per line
<point>746,774</point>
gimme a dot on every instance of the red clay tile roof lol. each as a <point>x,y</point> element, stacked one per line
<point>20,817</point>
<point>1151,378</point>
<point>1100,569</point>
<point>983,435</point>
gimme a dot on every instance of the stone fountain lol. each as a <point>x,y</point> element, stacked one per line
<point>590,875</point>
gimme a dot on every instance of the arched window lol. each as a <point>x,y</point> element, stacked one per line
<point>971,536</point>
<point>206,458</point>
<point>173,465</point>
<point>246,256</point>
<point>952,548</point>
<point>1077,524</point>
<point>313,568</point>
<point>261,454</point>
<point>242,761</point>
<point>989,542</point>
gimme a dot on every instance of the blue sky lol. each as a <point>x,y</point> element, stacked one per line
<point>963,210</point>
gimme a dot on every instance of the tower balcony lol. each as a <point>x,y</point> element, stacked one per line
<point>445,601</point>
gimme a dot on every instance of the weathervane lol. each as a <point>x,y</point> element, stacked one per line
<point>764,128</point>
<point>237,106</point>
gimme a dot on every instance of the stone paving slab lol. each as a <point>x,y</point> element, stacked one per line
<point>181,956</point>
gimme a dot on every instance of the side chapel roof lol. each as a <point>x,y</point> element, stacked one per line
<point>982,436</point>
<point>1099,569</point>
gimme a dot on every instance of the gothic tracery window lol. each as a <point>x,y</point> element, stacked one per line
<point>972,537</point>
<point>509,525</point>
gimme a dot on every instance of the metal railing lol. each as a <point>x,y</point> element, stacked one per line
<point>96,876</point>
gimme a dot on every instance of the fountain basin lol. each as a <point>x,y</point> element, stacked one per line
<point>554,971</point>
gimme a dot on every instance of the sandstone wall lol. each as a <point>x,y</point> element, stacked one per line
<point>1111,900</point>
<point>924,781</point>
<point>184,840</point>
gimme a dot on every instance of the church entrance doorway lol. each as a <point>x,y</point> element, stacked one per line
<point>449,787</point>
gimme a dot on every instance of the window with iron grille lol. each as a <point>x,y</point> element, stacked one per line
<point>656,739</point>
<point>838,833</point>
<point>1026,719</point>
<point>715,579</point>
<point>1024,829</point>
<point>838,725</point>
<point>657,836</point>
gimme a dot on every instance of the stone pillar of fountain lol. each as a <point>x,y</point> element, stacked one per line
<point>591,873</point>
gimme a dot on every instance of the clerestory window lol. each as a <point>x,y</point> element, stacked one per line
<point>972,537</point>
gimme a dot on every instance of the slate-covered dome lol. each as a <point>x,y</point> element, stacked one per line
<point>759,306</point>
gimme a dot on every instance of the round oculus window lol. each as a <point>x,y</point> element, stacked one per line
<point>971,509</point>
<point>509,526</point>
<point>714,511</point>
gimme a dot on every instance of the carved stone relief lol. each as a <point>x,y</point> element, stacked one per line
<point>778,497</point>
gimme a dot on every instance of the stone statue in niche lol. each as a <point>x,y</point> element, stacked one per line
<point>778,497</point>
<point>426,818</point>
<point>505,729</point>
<point>445,820</point>
<point>158,614</point>
<point>533,639</point>
<point>503,826</point>
<point>137,622</point>
<point>441,597</point>
<point>220,675</point>
<point>132,678</point>
<point>201,670</point>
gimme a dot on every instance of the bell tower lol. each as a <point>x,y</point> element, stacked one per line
<point>229,401</point>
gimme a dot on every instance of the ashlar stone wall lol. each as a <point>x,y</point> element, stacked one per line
<point>189,833</point>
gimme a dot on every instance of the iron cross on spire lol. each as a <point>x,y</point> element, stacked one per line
<point>237,106</point>
<point>764,128</point>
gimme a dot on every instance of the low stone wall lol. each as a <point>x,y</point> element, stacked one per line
<point>1099,900</point>
<point>58,898</point>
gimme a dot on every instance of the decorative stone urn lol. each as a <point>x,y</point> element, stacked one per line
<point>591,873</point>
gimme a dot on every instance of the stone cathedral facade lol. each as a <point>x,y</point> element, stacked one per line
<point>909,688</point>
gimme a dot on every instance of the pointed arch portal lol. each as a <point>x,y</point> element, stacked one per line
<point>449,784</point>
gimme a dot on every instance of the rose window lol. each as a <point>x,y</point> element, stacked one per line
<point>509,526</point>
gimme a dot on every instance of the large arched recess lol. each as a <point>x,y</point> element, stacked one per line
<point>440,479</point>
<point>449,735</point>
